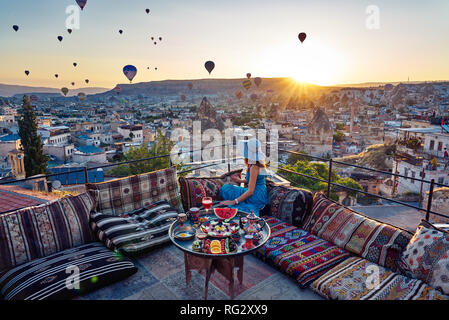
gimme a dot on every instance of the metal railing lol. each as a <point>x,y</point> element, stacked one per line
<point>329,183</point>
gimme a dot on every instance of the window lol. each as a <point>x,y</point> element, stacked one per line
<point>413,176</point>
<point>440,145</point>
<point>432,144</point>
<point>441,180</point>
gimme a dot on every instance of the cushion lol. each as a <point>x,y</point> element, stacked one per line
<point>136,231</point>
<point>290,204</point>
<point>359,279</point>
<point>194,189</point>
<point>427,256</point>
<point>124,195</point>
<point>298,253</point>
<point>39,231</point>
<point>54,276</point>
<point>370,239</point>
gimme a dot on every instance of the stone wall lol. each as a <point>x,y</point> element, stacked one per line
<point>440,204</point>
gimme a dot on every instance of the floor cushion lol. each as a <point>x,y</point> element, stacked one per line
<point>356,279</point>
<point>298,253</point>
<point>378,242</point>
<point>290,204</point>
<point>136,231</point>
<point>123,195</point>
<point>427,256</point>
<point>193,189</point>
<point>53,277</point>
<point>39,231</point>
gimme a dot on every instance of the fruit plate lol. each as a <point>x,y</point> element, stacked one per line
<point>225,213</point>
<point>222,246</point>
<point>220,229</point>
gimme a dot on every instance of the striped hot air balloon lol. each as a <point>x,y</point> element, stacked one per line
<point>246,84</point>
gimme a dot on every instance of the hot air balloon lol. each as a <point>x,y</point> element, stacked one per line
<point>253,97</point>
<point>69,31</point>
<point>81,96</point>
<point>302,36</point>
<point>15,27</point>
<point>152,38</point>
<point>246,84</point>
<point>190,85</point>
<point>258,81</point>
<point>160,38</point>
<point>239,94</point>
<point>73,83</point>
<point>75,64</point>
<point>27,72</point>
<point>117,89</point>
<point>183,97</point>
<point>64,91</point>
<point>120,31</point>
<point>87,80</point>
<point>60,38</point>
<point>248,75</point>
<point>209,65</point>
<point>155,43</point>
<point>130,72</point>
<point>56,75</point>
<point>81,3</point>
<point>147,11</point>
<point>155,68</point>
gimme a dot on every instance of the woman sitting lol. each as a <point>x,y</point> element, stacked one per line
<point>254,197</point>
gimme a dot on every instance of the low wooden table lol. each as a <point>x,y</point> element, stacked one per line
<point>224,264</point>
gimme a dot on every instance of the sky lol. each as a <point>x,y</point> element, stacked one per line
<point>410,40</point>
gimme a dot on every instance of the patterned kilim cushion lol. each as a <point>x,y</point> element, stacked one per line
<point>378,242</point>
<point>124,195</point>
<point>65,274</point>
<point>427,256</point>
<point>136,231</point>
<point>360,279</point>
<point>298,253</point>
<point>194,189</point>
<point>290,204</point>
<point>40,231</point>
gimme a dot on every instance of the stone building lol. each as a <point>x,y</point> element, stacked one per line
<point>318,139</point>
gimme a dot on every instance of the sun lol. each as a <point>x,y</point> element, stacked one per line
<point>306,63</point>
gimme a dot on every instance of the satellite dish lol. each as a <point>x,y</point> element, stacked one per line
<point>56,184</point>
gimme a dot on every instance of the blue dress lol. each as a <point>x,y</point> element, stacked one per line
<point>254,203</point>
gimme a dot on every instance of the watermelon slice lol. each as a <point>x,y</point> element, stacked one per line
<point>225,213</point>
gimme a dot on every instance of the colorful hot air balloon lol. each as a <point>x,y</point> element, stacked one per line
<point>246,84</point>
<point>27,72</point>
<point>209,65</point>
<point>87,80</point>
<point>147,11</point>
<point>81,96</point>
<point>190,85</point>
<point>302,36</point>
<point>253,97</point>
<point>248,75</point>
<point>60,38</point>
<point>183,97</point>
<point>239,94</point>
<point>64,91</point>
<point>258,81</point>
<point>15,27</point>
<point>117,89</point>
<point>81,3</point>
<point>75,64</point>
<point>130,72</point>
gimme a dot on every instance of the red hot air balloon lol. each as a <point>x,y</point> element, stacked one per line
<point>209,65</point>
<point>117,89</point>
<point>81,3</point>
<point>248,75</point>
<point>302,36</point>
<point>183,97</point>
<point>239,94</point>
<point>258,81</point>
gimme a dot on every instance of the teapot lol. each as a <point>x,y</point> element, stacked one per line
<point>252,223</point>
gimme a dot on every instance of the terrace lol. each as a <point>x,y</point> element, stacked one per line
<point>161,272</point>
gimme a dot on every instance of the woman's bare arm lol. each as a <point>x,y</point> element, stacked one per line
<point>254,172</point>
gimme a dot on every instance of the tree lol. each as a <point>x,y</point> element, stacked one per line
<point>341,126</point>
<point>339,136</point>
<point>161,146</point>
<point>35,161</point>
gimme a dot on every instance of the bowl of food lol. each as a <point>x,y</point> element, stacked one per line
<point>184,234</point>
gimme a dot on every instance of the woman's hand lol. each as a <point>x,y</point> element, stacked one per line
<point>227,202</point>
<point>236,179</point>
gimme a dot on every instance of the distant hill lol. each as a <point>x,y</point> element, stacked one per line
<point>7,90</point>
<point>377,84</point>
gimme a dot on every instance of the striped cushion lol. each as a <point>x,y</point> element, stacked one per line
<point>119,196</point>
<point>36,232</point>
<point>53,277</point>
<point>136,231</point>
<point>360,279</point>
